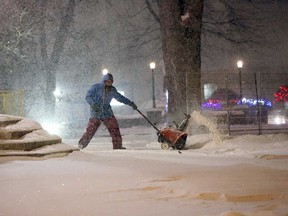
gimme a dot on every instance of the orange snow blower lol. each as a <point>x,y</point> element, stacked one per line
<point>171,137</point>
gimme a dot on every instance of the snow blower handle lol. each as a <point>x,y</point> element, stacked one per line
<point>149,121</point>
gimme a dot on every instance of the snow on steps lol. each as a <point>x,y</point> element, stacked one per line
<point>12,128</point>
<point>21,136</point>
<point>59,149</point>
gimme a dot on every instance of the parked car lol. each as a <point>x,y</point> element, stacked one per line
<point>239,114</point>
<point>278,117</point>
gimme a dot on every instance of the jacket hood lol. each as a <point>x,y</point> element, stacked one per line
<point>107,76</point>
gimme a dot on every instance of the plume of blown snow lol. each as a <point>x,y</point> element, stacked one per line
<point>212,126</point>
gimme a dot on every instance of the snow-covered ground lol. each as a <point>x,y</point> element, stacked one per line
<point>239,176</point>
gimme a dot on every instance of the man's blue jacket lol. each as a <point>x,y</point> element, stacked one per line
<point>99,98</point>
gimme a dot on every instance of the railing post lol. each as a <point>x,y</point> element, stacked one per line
<point>227,103</point>
<point>258,107</point>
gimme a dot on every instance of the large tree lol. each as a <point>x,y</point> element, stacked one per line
<point>181,24</point>
<point>185,24</point>
<point>32,41</point>
<point>50,63</point>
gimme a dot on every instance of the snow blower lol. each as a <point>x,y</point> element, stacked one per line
<point>171,137</point>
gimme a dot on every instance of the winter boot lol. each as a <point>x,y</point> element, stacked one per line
<point>83,143</point>
<point>121,147</point>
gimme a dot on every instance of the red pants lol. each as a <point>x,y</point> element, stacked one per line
<point>112,126</point>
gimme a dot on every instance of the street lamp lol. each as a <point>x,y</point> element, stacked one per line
<point>240,65</point>
<point>152,67</point>
<point>104,71</point>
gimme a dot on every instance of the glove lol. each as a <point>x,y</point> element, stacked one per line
<point>95,107</point>
<point>133,105</point>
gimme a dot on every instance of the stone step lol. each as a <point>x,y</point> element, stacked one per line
<point>55,150</point>
<point>17,128</point>
<point>27,145</point>
<point>7,120</point>
<point>13,134</point>
<point>20,136</point>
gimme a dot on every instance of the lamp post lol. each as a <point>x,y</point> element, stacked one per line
<point>152,67</point>
<point>240,65</point>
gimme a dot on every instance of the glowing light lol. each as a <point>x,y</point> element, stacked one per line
<point>57,93</point>
<point>104,71</point>
<point>212,104</point>
<point>253,102</point>
<point>216,104</point>
<point>281,94</point>
<point>152,65</point>
<point>52,128</point>
<point>240,64</point>
<point>279,120</point>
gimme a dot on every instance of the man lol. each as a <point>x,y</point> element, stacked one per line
<point>99,97</point>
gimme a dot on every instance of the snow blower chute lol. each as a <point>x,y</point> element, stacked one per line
<point>171,137</point>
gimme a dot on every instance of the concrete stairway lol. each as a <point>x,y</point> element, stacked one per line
<point>21,136</point>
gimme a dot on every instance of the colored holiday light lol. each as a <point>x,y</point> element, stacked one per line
<point>281,94</point>
<point>216,104</point>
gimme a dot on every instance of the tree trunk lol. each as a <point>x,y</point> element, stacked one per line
<point>50,64</point>
<point>181,40</point>
<point>172,56</point>
<point>192,35</point>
